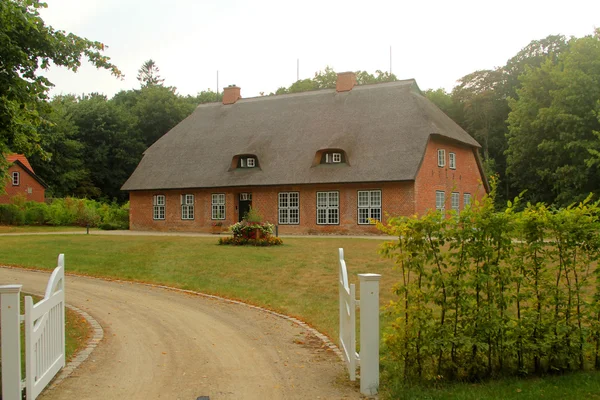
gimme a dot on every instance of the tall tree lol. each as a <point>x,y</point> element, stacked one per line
<point>148,74</point>
<point>27,44</point>
<point>552,125</point>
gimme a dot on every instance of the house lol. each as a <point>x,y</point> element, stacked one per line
<point>315,162</point>
<point>22,181</point>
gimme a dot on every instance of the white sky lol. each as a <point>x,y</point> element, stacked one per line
<point>255,44</point>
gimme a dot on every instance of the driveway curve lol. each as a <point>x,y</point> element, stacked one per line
<point>162,344</point>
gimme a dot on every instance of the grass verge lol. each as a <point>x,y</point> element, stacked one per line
<point>40,229</point>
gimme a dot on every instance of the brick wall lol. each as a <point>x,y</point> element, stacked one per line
<point>466,178</point>
<point>26,184</point>
<point>397,199</point>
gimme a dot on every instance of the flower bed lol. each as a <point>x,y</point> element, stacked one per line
<point>251,234</point>
<point>240,241</point>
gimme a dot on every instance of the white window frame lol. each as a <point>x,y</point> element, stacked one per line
<point>452,160</point>
<point>250,162</point>
<point>289,208</point>
<point>330,208</point>
<point>242,162</point>
<point>466,200</point>
<point>369,206</point>
<point>455,201</point>
<point>16,178</point>
<point>218,206</point>
<point>336,158</point>
<point>440,200</point>
<point>187,206</point>
<point>159,203</point>
<point>441,158</point>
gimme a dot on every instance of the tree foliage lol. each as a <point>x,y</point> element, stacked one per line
<point>26,45</point>
<point>148,74</point>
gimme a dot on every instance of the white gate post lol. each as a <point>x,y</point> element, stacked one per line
<point>11,341</point>
<point>369,333</point>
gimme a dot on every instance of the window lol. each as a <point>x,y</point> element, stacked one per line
<point>218,206</point>
<point>455,200</point>
<point>16,179</point>
<point>452,160</point>
<point>187,206</point>
<point>328,208</point>
<point>289,208</point>
<point>441,158</point>
<point>369,206</point>
<point>440,200</point>
<point>159,203</point>
<point>466,200</point>
<point>245,161</point>
<point>332,158</point>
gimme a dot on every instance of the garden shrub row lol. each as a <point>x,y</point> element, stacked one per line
<point>65,212</point>
<point>488,294</point>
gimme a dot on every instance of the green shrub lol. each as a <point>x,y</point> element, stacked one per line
<point>36,213</point>
<point>10,214</point>
<point>486,294</point>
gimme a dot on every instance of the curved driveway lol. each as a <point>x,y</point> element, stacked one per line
<point>162,344</point>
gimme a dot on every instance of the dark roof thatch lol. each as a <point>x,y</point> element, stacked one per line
<point>383,128</point>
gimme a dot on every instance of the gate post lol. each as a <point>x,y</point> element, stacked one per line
<point>11,341</point>
<point>369,333</point>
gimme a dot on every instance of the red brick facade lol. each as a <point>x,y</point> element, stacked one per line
<point>397,198</point>
<point>466,177</point>
<point>27,186</point>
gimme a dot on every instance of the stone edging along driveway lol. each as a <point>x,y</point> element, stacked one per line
<point>98,332</point>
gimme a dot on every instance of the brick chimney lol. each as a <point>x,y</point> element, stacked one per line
<point>345,81</point>
<point>231,94</point>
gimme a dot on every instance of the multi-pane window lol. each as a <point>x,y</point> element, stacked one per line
<point>440,200</point>
<point>187,206</point>
<point>289,208</point>
<point>16,178</point>
<point>466,200</point>
<point>218,206</point>
<point>452,160</point>
<point>369,206</point>
<point>251,162</point>
<point>328,208</point>
<point>441,158</point>
<point>159,204</point>
<point>455,200</point>
<point>332,158</point>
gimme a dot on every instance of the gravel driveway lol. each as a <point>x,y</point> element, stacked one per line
<point>161,344</point>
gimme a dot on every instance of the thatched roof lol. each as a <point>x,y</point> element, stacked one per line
<point>383,129</point>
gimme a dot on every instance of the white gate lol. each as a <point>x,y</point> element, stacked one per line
<point>348,319</point>
<point>44,337</point>
<point>369,327</point>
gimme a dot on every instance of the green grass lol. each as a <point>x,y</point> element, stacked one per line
<point>298,278</point>
<point>36,229</point>
<point>76,333</point>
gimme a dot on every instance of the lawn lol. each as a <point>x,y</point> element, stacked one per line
<point>298,279</point>
<point>36,229</point>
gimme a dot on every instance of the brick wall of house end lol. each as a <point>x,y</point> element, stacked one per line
<point>464,178</point>
<point>27,186</point>
<point>397,198</point>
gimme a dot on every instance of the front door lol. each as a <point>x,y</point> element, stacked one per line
<point>244,205</point>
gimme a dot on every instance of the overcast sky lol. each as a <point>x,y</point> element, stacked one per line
<point>255,44</point>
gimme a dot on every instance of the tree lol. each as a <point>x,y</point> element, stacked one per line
<point>552,125</point>
<point>148,75</point>
<point>26,44</point>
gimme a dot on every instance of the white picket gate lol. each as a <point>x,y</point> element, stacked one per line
<point>44,337</point>
<point>348,319</point>
<point>368,359</point>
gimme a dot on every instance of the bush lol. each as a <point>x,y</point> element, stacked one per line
<point>486,294</point>
<point>36,214</point>
<point>241,241</point>
<point>10,214</point>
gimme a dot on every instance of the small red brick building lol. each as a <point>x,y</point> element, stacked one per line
<point>22,181</point>
<point>315,162</point>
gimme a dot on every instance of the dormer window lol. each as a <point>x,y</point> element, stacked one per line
<point>244,161</point>
<point>334,158</point>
